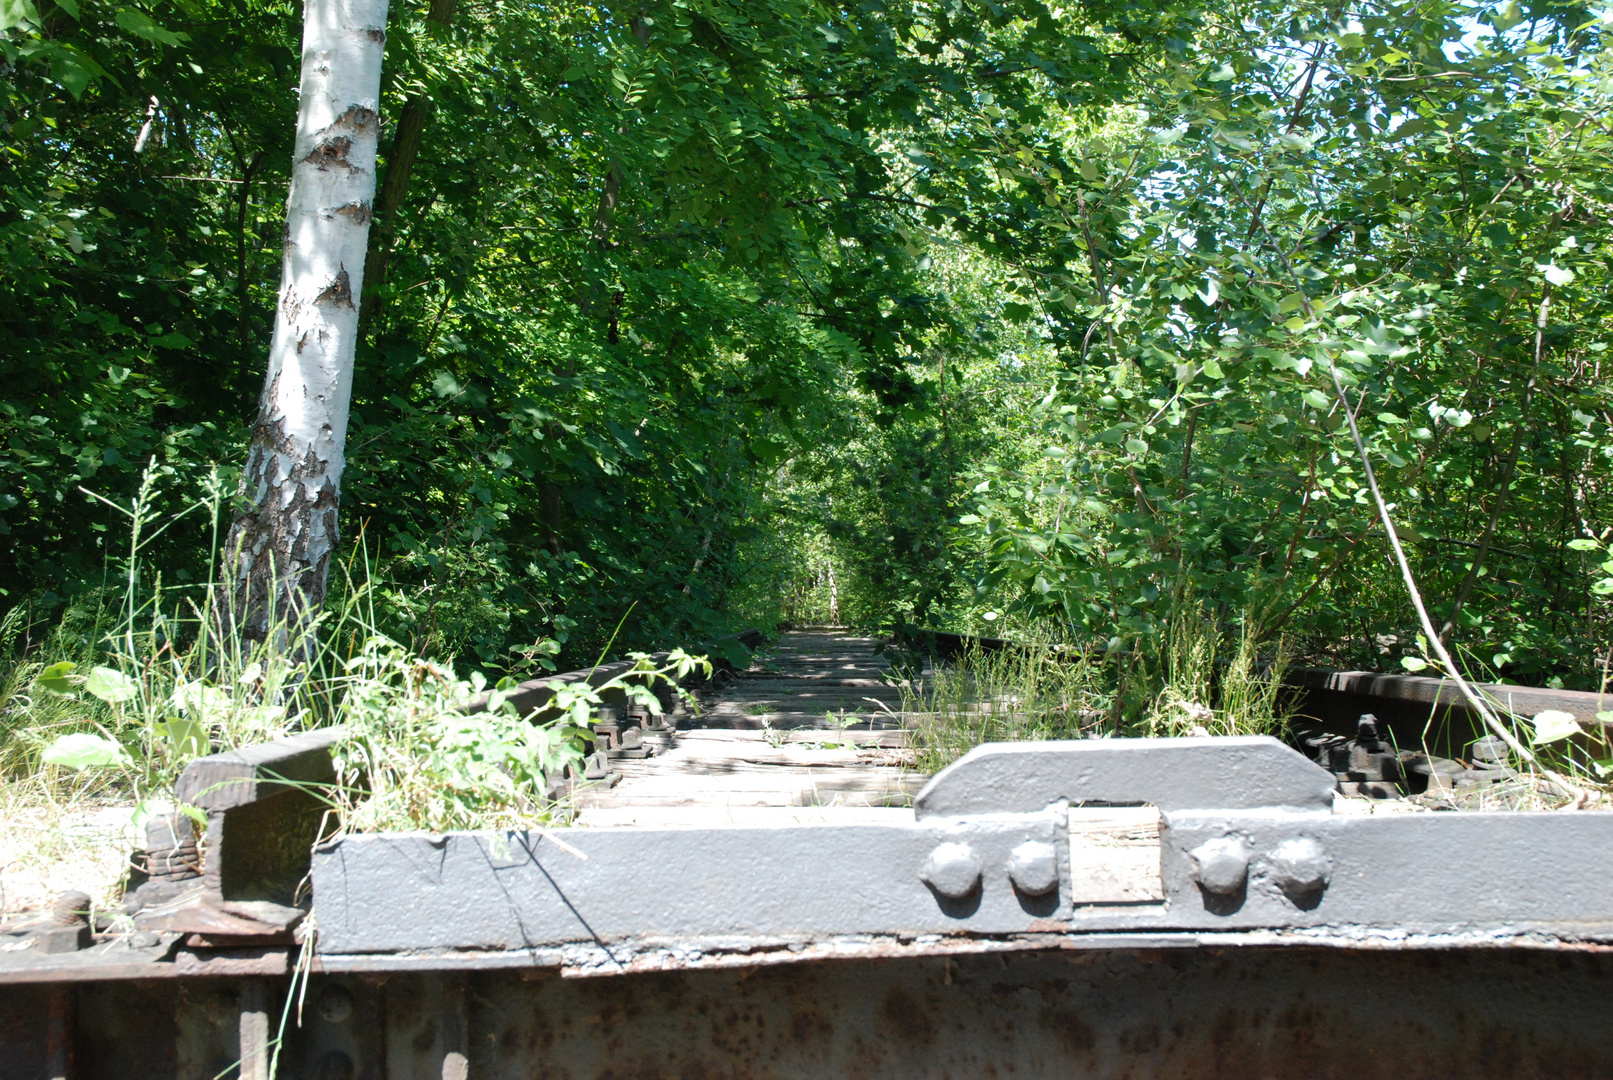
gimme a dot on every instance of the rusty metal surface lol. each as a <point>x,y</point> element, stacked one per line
<point>1243,1014</point>
<point>1430,694</point>
<point>1198,1012</point>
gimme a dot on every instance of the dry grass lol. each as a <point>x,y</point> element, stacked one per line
<point>49,847</point>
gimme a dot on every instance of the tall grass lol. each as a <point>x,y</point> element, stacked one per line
<point>1034,690</point>
<point>137,681</point>
<point>1208,679</point>
<point>1196,679</point>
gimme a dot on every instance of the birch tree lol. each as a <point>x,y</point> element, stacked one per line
<point>284,531</point>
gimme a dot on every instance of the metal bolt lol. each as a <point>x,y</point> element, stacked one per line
<point>335,1004</point>
<point>1221,865</point>
<point>952,870</point>
<point>1366,732</point>
<point>1299,866</point>
<point>1490,752</point>
<point>70,909</point>
<point>1034,868</point>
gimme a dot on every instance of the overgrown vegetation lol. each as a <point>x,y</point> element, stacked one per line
<point>98,719</point>
<point>418,758</point>
<point>1207,680</point>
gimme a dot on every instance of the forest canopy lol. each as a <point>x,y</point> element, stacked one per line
<point>684,316</point>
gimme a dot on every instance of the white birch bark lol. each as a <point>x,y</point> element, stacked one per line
<point>284,532</point>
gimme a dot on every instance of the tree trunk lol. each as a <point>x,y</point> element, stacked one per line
<point>284,532</point>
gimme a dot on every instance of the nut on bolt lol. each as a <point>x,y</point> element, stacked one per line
<point>1299,866</point>
<point>71,908</point>
<point>952,870</point>
<point>1221,866</point>
<point>1034,868</point>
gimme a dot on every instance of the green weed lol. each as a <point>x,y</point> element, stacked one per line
<point>135,683</point>
<point>1198,680</point>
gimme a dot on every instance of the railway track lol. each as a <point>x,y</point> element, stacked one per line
<point>772,893</point>
<point>811,726</point>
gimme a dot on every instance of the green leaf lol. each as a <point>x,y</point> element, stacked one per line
<point>1603,587</point>
<point>18,13</point>
<point>85,751</point>
<point>1557,275</point>
<point>1390,418</point>
<point>1317,400</point>
<point>1584,544</point>
<point>54,678</point>
<point>201,702</point>
<point>185,738</point>
<point>734,651</point>
<point>1016,312</point>
<point>110,686</point>
<point>1137,447</point>
<point>140,24</point>
<point>1413,663</point>
<point>195,813</point>
<point>73,70</point>
<point>1553,725</point>
<point>1238,140</point>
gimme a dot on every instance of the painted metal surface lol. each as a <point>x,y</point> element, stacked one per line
<point>1283,940</point>
<point>1244,845</point>
<point>477,891</point>
<point>1232,772</point>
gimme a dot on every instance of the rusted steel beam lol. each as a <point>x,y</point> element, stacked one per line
<point>1430,694</point>
<point>1176,1010</point>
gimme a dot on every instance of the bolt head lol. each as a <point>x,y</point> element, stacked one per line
<point>1034,868</point>
<point>1299,866</point>
<point>952,870</point>
<point>335,1004</point>
<point>1221,866</point>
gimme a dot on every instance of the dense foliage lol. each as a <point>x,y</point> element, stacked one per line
<point>939,309</point>
<point>1403,214</point>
